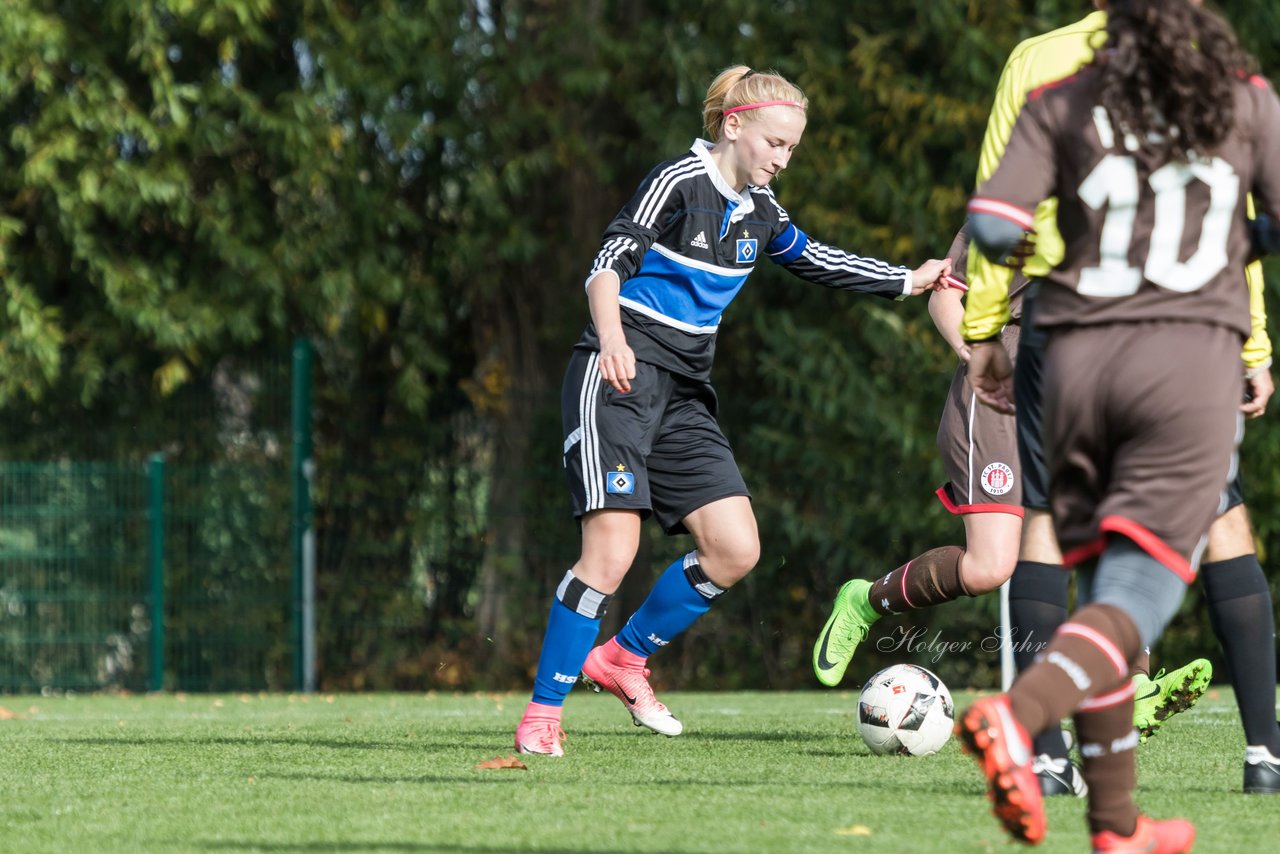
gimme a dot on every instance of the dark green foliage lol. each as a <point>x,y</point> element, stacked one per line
<point>419,187</point>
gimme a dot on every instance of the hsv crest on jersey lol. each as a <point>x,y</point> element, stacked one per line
<point>997,479</point>
<point>684,246</point>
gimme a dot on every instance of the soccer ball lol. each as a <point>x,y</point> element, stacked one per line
<point>906,710</point>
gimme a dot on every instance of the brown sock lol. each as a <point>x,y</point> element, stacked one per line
<point>1088,656</point>
<point>1141,663</point>
<point>1104,727</point>
<point>930,579</point>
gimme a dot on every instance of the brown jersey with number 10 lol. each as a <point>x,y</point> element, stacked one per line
<point>1145,240</point>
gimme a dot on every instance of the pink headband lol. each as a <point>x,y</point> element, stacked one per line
<point>760,104</point>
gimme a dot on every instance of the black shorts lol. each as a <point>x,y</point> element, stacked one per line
<point>1028,377</point>
<point>1235,492</point>
<point>656,449</point>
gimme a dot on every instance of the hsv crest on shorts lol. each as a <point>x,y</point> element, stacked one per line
<point>997,479</point>
<point>620,482</point>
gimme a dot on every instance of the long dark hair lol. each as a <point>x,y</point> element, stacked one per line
<point>1168,72</point>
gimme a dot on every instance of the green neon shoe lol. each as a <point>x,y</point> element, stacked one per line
<point>851,617</point>
<point>1157,700</point>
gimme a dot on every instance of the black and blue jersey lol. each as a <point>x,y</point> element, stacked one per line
<point>684,246</point>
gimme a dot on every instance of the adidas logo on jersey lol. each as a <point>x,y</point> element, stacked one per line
<point>700,241</point>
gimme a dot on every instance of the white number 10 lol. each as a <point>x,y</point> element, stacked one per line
<point>1114,183</point>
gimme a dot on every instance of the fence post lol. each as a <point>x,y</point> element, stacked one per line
<point>302,534</point>
<point>155,561</point>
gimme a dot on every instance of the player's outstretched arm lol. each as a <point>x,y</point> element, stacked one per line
<point>930,275</point>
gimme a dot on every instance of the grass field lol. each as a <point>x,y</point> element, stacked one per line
<point>397,773</point>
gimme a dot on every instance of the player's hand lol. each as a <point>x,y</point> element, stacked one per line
<point>927,276</point>
<point>965,352</point>
<point>617,362</point>
<point>1024,250</point>
<point>1258,390</point>
<point>991,375</point>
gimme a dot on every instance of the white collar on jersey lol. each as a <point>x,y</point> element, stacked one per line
<point>744,202</point>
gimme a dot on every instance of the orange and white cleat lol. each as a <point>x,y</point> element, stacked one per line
<point>623,674</point>
<point>990,733</point>
<point>1172,836</point>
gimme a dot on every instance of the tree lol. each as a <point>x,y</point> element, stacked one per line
<point>186,186</point>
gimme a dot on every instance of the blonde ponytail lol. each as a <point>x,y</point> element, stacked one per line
<point>741,88</point>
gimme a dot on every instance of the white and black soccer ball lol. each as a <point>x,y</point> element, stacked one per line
<point>905,709</point>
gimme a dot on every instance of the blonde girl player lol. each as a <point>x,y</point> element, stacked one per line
<point>639,410</point>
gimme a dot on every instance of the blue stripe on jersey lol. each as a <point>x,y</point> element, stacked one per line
<point>692,295</point>
<point>788,246</point>
<point>730,206</point>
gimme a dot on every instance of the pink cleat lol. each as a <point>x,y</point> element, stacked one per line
<point>624,675</point>
<point>539,731</point>
<point>1172,836</point>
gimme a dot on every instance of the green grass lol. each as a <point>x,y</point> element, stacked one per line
<point>396,773</point>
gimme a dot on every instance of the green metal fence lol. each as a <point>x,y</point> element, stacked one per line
<point>90,552</point>
<point>73,588</point>
<point>174,573</point>
<point>227,578</point>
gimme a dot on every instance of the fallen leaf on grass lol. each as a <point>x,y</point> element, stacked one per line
<point>503,762</point>
<point>6,715</point>
<point>854,830</point>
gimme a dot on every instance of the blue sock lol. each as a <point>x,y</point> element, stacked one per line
<point>571,632</point>
<point>682,595</point>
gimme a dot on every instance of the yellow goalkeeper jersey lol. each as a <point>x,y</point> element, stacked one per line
<point>1032,64</point>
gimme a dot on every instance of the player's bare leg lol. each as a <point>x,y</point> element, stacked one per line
<point>728,546</point>
<point>937,576</point>
<point>991,550</point>
<point>1039,541</point>
<point>610,539</point>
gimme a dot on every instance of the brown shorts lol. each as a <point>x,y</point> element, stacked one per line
<point>979,450</point>
<point>1140,430</point>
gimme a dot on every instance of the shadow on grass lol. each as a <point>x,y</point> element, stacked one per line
<point>277,741</point>
<point>254,845</point>
<point>477,739</point>
<point>876,783</point>
<point>746,735</point>
<point>468,777</point>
